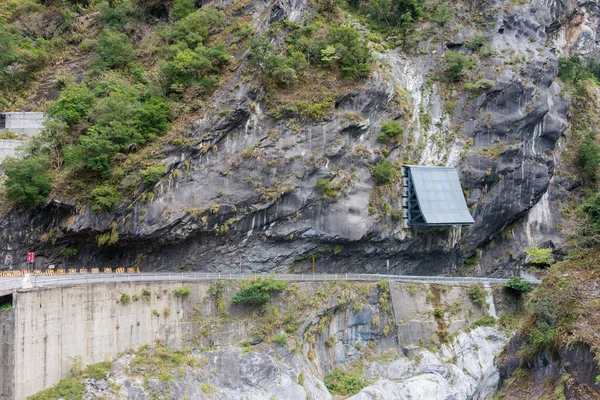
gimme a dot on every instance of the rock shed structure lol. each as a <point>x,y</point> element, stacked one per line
<point>435,197</point>
<point>22,123</point>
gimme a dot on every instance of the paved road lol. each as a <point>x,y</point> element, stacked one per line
<point>11,284</point>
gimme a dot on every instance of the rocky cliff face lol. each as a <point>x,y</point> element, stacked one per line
<point>463,369</point>
<point>240,195</point>
<point>571,370</point>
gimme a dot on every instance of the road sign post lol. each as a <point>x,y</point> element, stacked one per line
<point>30,259</point>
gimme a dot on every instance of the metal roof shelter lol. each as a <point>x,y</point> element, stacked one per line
<point>435,197</point>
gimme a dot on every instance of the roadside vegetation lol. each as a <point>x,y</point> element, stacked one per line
<point>73,387</point>
<point>561,313</point>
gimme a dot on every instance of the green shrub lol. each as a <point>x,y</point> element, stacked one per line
<point>540,257</point>
<point>573,69</point>
<point>152,175</point>
<point>543,339</point>
<point>456,63</point>
<point>28,181</point>
<point>122,121</point>
<point>588,158</point>
<point>74,104</point>
<point>21,57</point>
<point>480,86</point>
<point>280,338</point>
<point>67,389</point>
<point>114,51</point>
<point>331,341</point>
<point>476,43</point>
<point>108,238</point>
<point>115,16</point>
<point>5,135</point>
<point>391,132</point>
<point>425,118</point>
<point>326,189</point>
<point>146,294</point>
<point>488,320</point>
<point>351,50</point>
<point>6,307</point>
<point>280,70</point>
<point>314,110</point>
<point>125,299</point>
<point>257,292</point>
<point>153,118</point>
<point>345,383</point>
<point>208,389</point>
<point>401,13</point>
<point>69,252</point>
<point>442,14</point>
<point>478,295</point>
<point>183,8</point>
<point>195,27</point>
<point>104,198</point>
<point>183,292</point>
<point>590,208</point>
<point>11,9</point>
<point>519,285</point>
<point>95,151</point>
<point>385,172</point>
<point>486,51</point>
<point>199,67</point>
<point>89,45</point>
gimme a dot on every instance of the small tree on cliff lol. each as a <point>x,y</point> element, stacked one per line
<point>28,181</point>
<point>257,292</point>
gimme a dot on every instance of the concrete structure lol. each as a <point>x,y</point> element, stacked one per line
<point>435,197</point>
<point>48,326</point>
<point>10,148</point>
<point>22,123</point>
<point>7,355</point>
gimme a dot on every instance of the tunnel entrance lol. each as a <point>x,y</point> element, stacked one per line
<point>6,302</point>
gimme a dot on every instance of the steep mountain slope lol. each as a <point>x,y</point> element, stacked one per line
<point>241,188</point>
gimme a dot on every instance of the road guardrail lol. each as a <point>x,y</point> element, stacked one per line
<point>44,281</point>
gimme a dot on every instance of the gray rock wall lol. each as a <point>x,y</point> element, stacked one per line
<point>240,195</point>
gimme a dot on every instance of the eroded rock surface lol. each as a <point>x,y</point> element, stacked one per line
<point>241,195</point>
<point>463,369</point>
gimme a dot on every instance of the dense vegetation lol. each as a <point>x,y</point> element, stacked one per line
<point>257,292</point>
<point>73,387</point>
<point>126,101</point>
<point>346,382</point>
<point>147,62</point>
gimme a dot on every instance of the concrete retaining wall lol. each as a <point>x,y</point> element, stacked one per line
<point>89,321</point>
<point>414,306</point>
<point>10,148</point>
<point>55,324</point>
<point>23,123</point>
<point>7,354</point>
